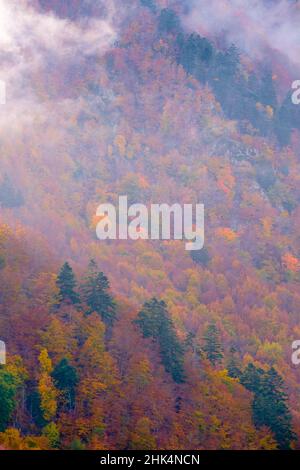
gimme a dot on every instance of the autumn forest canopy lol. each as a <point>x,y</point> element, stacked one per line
<point>142,344</point>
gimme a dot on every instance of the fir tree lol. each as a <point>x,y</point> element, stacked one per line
<point>149,4</point>
<point>66,284</point>
<point>65,379</point>
<point>268,93</point>
<point>270,408</point>
<point>168,21</point>
<point>155,323</point>
<point>269,404</point>
<point>201,257</point>
<point>233,365</point>
<point>251,378</point>
<point>212,345</point>
<point>195,54</point>
<point>96,295</point>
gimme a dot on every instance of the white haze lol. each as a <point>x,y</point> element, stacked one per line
<point>254,26</point>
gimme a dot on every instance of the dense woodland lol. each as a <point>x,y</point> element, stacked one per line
<point>142,344</point>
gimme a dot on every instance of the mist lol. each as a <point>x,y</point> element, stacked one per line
<point>34,44</point>
<point>255,26</point>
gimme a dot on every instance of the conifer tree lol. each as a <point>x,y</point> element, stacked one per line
<point>269,404</point>
<point>66,283</point>
<point>212,345</point>
<point>201,257</point>
<point>155,323</point>
<point>251,378</point>
<point>268,92</point>
<point>149,4</point>
<point>270,408</point>
<point>96,295</point>
<point>233,366</point>
<point>168,21</point>
<point>66,378</point>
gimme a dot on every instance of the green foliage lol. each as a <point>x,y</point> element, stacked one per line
<point>162,135</point>
<point>33,405</point>
<point>66,378</point>
<point>195,54</point>
<point>270,403</point>
<point>287,118</point>
<point>233,368</point>
<point>8,389</point>
<point>227,63</point>
<point>168,21</point>
<point>201,257</point>
<point>242,97</point>
<point>66,284</point>
<point>270,408</point>
<point>149,4</point>
<point>212,345</point>
<point>77,445</point>
<point>96,295</point>
<point>267,91</point>
<point>52,433</point>
<point>155,323</point>
<point>251,378</point>
<point>2,262</point>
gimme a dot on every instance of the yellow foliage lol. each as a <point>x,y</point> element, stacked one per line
<point>11,439</point>
<point>45,362</point>
<point>47,391</point>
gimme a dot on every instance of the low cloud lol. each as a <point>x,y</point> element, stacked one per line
<point>34,43</point>
<point>255,26</point>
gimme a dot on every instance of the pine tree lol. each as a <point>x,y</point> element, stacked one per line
<point>201,257</point>
<point>195,54</point>
<point>212,345</point>
<point>270,408</point>
<point>268,93</point>
<point>269,404</point>
<point>251,378</point>
<point>155,323</point>
<point>233,366</point>
<point>66,284</point>
<point>149,4</point>
<point>65,379</point>
<point>168,21</point>
<point>96,295</point>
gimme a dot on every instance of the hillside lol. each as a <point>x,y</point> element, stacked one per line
<point>150,346</point>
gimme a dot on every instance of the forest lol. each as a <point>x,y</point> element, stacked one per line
<point>142,344</point>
